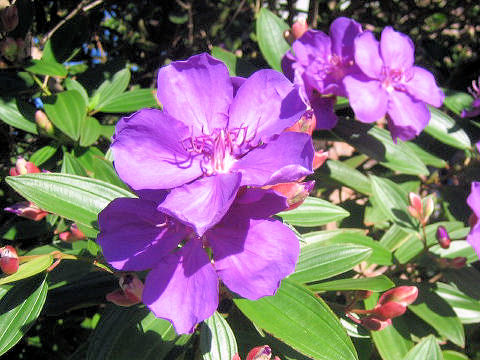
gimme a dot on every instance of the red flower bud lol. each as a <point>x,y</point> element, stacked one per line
<point>306,124</point>
<point>260,353</point>
<point>299,28</point>
<point>374,324</point>
<point>416,207</point>
<point>23,167</point>
<point>319,159</point>
<point>9,260</point>
<point>443,238</point>
<point>9,18</point>
<point>404,295</point>
<point>295,192</point>
<point>27,210</point>
<point>389,310</point>
<point>458,262</point>
<point>130,292</point>
<point>73,235</point>
<point>43,123</point>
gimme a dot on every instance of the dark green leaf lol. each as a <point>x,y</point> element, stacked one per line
<point>446,130</point>
<point>378,283</point>
<point>426,157</point>
<point>426,349</point>
<point>130,101</point>
<point>302,321</point>
<point>43,154</point>
<point>103,170</point>
<point>318,261</point>
<point>235,65</point>
<point>76,198</point>
<point>110,89</point>
<point>456,101</point>
<point>270,29</point>
<point>217,340</point>
<point>10,113</point>
<point>314,212</point>
<point>70,165</point>
<point>43,67</point>
<point>90,131</point>
<point>345,175</point>
<point>72,84</point>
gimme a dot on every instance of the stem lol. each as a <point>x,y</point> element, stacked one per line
<point>42,86</point>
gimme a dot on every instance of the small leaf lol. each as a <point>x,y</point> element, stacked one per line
<point>446,130</point>
<point>70,165</point>
<point>345,175</point>
<point>10,113</point>
<point>43,67</point>
<point>76,198</point>
<point>110,89</point>
<point>236,66</point>
<point>453,355</point>
<point>378,283</point>
<point>318,261</point>
<point>426,157</point>
<point>314,212</point>
<point>103,170</point>
<point>91,130</point>
<point>28,269</point>
<point>43,154</point>
<point>456,101</point>
<point>217,340</point>
<point>426,349</point>
<point>66,111</point>
<point>130,101</point>
<point>20,306</point>
<point>302,321</point>
<point>72,84</point>
<point>270,29</point>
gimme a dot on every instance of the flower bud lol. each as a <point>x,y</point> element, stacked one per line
<point>260,353</point>
<point>374,324</point>
<point>9,49</point>
<point>27,210</point>
<point>306,124</point>
<point>458,262</point>
<point>428,207</point>
<point>404,295</point>
<point>23,167</point>
<point>299,28</point>
<point>9,18</point>
<point>319,159</point>
<point>389,310</point>
<point>73,235</point>
<point>443,238</point>
<point>416,207</point>
<point>130,292</point>
<point>472,220</point>
<point>295,192</point>
<point>8,260</point>
<point>43,123</point>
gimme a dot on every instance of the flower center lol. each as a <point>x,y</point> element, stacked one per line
<point>393,79</point>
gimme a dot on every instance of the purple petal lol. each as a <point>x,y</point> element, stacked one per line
<point>473,201</point>
<point>423,87</point>
<point>202,203</point>
<point>287,65</point>
<point>312,45</point>
<point>367,55</point>
<point>197,92</point>
<point>408,117</point>
<point>367,98</point>
<point>252,260</point>
<point>237,81</point>
<point>256,203</point>
<point>323,108</point>
<point>266,104</point>
<point>343,32</point>
<point>183,288</point>
<point>148,151</point>
<point>397,49</point>
<point>288,158</point>
<point>134,236</point>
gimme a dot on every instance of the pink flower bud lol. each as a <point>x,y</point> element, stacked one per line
<point>299,28</point>
<point>9,49</point>
<point>130,292</point>
<point>404,295</point>
<point>27,210</point>
<point>319,159</point>
<point>23,167</point>
<point>428,207</point>
<point>458,262</point>
<point>9,260</point>
<point>260,353</point>
<point>73,235</point>
<point>306,124</point>
<point>389,310</point>
<point>236,357</point>
<point>374,324</point>
<point>9,18</point>
<point>443,238</point>
<point>416,207</point>
<point>43,123</point>
<point>295,192</point>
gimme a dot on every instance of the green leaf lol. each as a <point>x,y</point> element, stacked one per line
<point>314,212</point>
<point>20,306</point>
<point>66,111</point>
<point>28,269</point>
<point>395,237</point>
<point>43,154</point>
<point>393,342</point>
<point>345,175</point>
<point>132,333</point>
<point>235,65</point>
<point>318,261</point>
<point>436,312</point>
<point>392,200</point>
<point>302,321</point>
<point>43,67</point>
<point>324,235</point>
<point>130,101</point>
<point>70,165</point>
<point>426,157</point>
<point>10,113</point>
<point>73,197</point>
<point>446,130</point>
<point>103,170</point>
<point>217,340</point>
<point>270,29</point>
<point>90,131</point>
<point>426,349</point>
<point>457,248</point>
<point>378,283</point>
<point>72,84</point>
<point>466,308</point>
<point>453,355</point>
<point>378,144</point>
<point>110,89</point>
<point>456,101</point>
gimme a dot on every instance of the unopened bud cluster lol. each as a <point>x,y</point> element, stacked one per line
<point>419,208</point>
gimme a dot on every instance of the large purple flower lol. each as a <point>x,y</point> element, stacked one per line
<point>215,134</point>
<point>473,201</point>
<point>251,253</point>
<point>391,84</point>
<point>318,65</point>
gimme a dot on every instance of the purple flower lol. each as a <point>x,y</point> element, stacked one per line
<point>391,84</point>
<point>215,134</point>
<point>251,253</point>
<point>473,201</point>
<point>475,106</point>
<point>318,65</point>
